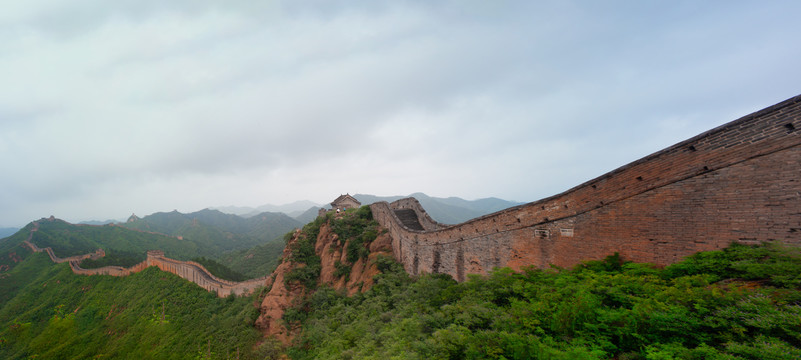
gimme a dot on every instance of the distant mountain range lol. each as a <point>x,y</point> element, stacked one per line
<point>245,227</point>
<point>226,231</point>
<point>452,210</point>
<point>292,209</point>
<point>6,232</point>
<point>98,222</point>
<point>248,245</point>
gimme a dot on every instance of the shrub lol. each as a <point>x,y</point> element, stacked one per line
<point>342,270</point>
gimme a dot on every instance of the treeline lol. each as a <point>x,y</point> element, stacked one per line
<point>739,303</point>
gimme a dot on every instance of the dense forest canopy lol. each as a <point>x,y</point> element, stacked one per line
<point>151,314</point>
<point>739,303</point>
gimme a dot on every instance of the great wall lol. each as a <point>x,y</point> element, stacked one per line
<point>188,270</point>
<point>739,182</point>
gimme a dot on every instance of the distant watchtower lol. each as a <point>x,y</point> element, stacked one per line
<point>342,203</point>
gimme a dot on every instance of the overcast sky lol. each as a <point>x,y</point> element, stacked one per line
<point>109,108</point>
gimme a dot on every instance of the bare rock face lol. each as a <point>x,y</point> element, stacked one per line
<point>363,271</point>
<point>331,250</point>
<point>360,279</point>
<point>279,298</point>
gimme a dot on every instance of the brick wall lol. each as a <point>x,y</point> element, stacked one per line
<point>735,183</point>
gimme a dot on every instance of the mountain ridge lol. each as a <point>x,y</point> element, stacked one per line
<point>295,207</point>
<point>450,210</point>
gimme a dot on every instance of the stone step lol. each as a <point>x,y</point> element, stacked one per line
<point>409,219</point>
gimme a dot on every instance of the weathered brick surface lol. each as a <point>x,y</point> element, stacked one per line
<point>735,183</point>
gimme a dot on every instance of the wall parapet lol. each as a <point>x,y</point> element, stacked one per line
<point>700,194</point>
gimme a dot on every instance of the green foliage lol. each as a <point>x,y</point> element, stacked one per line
<point>26,271</point>
<point>355,227</point>
<point>305,275</point>
<point>68,240</point>
<point>303,254</point>
<point>358,229</point>
<point>151,314</point>
<point>115,258</point>
<point>257,261</point>
<point>738,303</point>
<point>249,246</point>
<point>773,261</point>
<point>612,263</point>
<point>219,270</point>
<point>213,229</point>
<point>341,270</point>
<point>126,247</point>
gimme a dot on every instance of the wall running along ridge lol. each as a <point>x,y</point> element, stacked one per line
<point>739,182</point>
<point>188,270</point>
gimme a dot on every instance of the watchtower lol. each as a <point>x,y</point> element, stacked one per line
<point>344,202</point>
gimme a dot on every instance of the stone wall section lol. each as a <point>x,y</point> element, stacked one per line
<point>736,183</point>
<point>188,270</point>
<point>198,274</point>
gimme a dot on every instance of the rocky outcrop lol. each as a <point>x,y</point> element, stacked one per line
<point>280,297</point>
<point>331,250</point>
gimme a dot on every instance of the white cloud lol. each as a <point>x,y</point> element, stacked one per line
<point>112,108</point>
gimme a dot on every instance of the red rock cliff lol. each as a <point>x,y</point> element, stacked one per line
<point>330,249</point>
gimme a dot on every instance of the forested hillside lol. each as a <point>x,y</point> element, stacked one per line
<point>225,232</point>
<point>149,315</point>
<point>740,303</point>
<point>743,302</point>
<point>256,261</point>
<point>249,247</point>
<point>69,239</point>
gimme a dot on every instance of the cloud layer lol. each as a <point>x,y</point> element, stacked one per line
<point>109,108</point>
